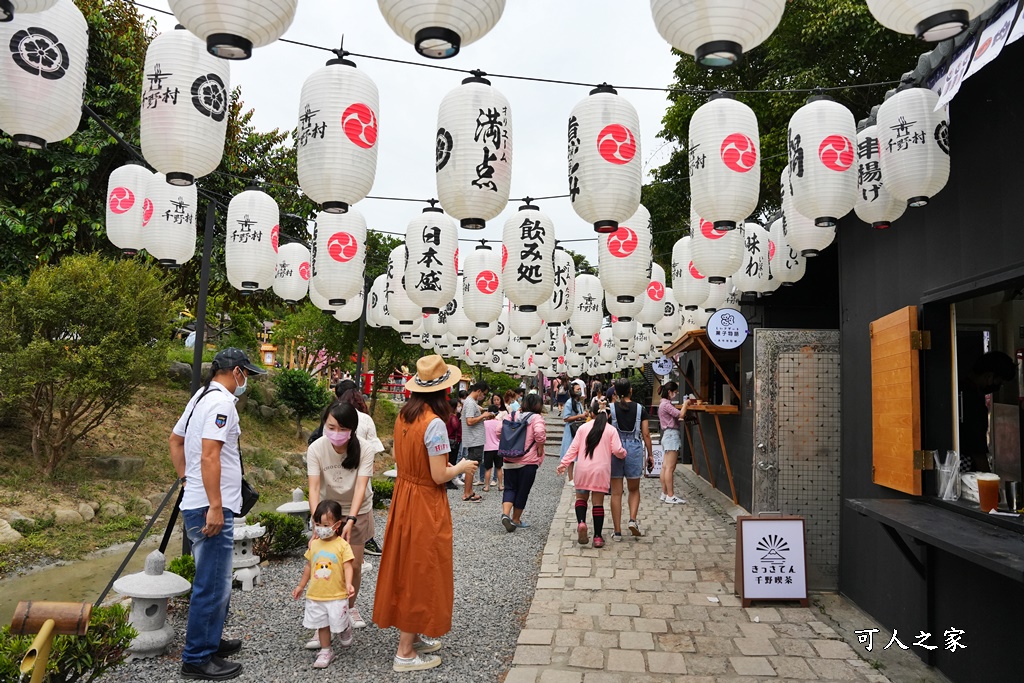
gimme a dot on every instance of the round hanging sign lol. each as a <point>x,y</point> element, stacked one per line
<point>662,366</point>
<point>727,328</point>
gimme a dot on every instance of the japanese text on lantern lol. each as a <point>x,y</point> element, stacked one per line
<point>905,135</point>
<point>430,279</point>
<point>697,159</point>
<point>246,231</point>
<point>753,247</point>
<point>156,93</point>
<point>574,166</point>
<point>179,213</point>
<point>869,173</point>
<point>309,127</point>
<point>796,156</point>
<point>532,233</point>
<point>587,304</point>
<point>491,129</point>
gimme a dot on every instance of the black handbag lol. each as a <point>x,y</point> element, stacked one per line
<point>575,425</point>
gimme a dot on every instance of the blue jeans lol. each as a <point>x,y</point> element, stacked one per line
<point>211,589</point>
<point>633,466</point>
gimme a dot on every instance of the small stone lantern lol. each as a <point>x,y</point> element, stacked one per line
<point>298,507</point>
<point>244,564</point>
<point>149,591</point>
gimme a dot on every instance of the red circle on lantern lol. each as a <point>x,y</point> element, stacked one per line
<point>487,282</point>
<point>616,144</point>
<point>360,124</point>
<point>623,242</point>
<point>121,200</point>
<point>275,237</point>
<point>656,290</point>
<point>708,229</point>
<point>837,153</point>
<point>147,211</point>
<point>694,273</point>
<point>304,271</point>
<point>456,260</point>
<point>739,153</point>
<point>596,339</point>
<point>561,359</point>
<point>771,249</point>
<point>504,257</point>
<point>342,246</point>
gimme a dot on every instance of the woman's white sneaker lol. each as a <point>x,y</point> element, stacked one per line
<point>675,500</point>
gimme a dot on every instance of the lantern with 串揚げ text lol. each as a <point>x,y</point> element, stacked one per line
<point>875,205</point>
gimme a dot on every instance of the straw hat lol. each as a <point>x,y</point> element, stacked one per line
<point>433,374</point>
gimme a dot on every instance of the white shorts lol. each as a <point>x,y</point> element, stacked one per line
<point>323,613</point>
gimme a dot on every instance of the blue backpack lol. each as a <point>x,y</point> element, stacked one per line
<point>512,440</point>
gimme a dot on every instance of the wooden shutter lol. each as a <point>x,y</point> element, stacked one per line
<point>895,401</point>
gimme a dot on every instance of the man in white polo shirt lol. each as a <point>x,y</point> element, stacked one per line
<point>204,450</point>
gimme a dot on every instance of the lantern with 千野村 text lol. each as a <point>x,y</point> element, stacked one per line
<point>291,276</point>
<point>251,236</point>
<point>170,233</point>
<point>914,141</point>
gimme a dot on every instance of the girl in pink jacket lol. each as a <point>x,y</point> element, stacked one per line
<point>520,473</point>
<point>593,472</point>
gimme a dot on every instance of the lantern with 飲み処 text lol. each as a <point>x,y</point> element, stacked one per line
<point>527,258</point>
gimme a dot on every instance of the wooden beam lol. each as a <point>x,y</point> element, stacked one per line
<point>724,375</point>
<point>704,447</point>
<point>725,457</point>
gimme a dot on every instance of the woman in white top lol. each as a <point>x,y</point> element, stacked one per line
<point>339,468</point>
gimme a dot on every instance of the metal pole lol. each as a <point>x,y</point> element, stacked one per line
<point>204,288</point>
<point>362,336</point>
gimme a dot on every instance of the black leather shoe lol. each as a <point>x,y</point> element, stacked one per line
<point>228,646</point>
<point>216,669</point>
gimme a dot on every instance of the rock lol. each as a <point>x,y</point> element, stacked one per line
<point>285,411</point>
<point>205,370</point>
<point>389,443</point>
<point>86,511</point>
<point>243,402</point>
<point>296,472</point>
<point>63,517</point>
<point>296,459</point>
<point>305,434</point>
<point>180,372</point>
<point>156,498</point>
<point>269,476</point>
<point>280,466</point>
<point>267,413</point>
<point>247,451</point>
<point>112,511</point>
<point>144,506</point>
<point>93,504</point>
<point>8,534</point>
<point>10,515</point>
<point>119,467</point>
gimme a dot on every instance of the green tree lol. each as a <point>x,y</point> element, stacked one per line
<point>581,263</point>
<point>818,44</point>
<point>318,338</point>
<point>78,338</point>
<point>301,392</point>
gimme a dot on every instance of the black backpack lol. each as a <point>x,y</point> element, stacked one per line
<point>512,440</point>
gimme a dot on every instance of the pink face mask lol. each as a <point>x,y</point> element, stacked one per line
<point>338,438</point>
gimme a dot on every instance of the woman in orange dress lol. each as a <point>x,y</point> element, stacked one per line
<point>416,581</point>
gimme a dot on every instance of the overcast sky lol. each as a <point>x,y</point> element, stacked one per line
<point>589,41</point>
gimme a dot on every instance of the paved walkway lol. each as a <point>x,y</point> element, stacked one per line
<point>662,608</point>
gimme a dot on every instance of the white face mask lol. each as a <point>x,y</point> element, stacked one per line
<point>240,388</point>
<point>323,532</point>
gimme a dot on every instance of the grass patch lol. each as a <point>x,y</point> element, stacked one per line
<point>184,355</point>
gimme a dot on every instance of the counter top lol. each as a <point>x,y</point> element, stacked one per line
<point>713,409</point>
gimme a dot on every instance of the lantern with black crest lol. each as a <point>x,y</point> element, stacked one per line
<point>668,327</point>
<point>438,29</point>
<point>588,309</point>
<point>725,164</point>
<point>559,307</point>
<point>291,278</point>
<point>186,95</point>
<point>170,234</point>
<point>716,32</point>
<point>252,232</point>
<point>338,255</point>
<point>232,28</point>
<point>129,210</point>
<point>604,159</point>
<point>377,312</point>
<point>875,205</point>
<point>474,152</point>
<point>931,20</point>
<point>431,240</point>
<point>43,79</point>
<point>822,160</point>
<point>485,295</point>
<point>10,8</point>
<point>336,138</point>
<point>914,141</point>
<point>624,258</point>
<point>528,249</point>
<point>802,234</point>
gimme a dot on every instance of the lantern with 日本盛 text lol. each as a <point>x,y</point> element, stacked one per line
<point>252,232</point>
<point>170,233</point>
<point>716,32</point>
<point>291,278</point>
<point>186,96</point>
<point>485,295</point>
<point>438,29</point>
<point>232,28</point>
<point>128,210</point>
<point>338,255</point>
<point>688,284</point>
<point>715,253</point>
<point>336,139</point>
<point>42,76</point>
<point>875,205</point>
<point>527,258</point>
<point>624,258</point>
<point>431,240</point>
<point>822,154</point>
<point>473,157</point>
<point>914,140</point>
<point>930,20</point>
<point>604,159</point>
<point>725,167</point>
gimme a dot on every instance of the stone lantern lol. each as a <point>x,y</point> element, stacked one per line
<point>244,564</point>
<point>298,507</point>
<point>149,590</point>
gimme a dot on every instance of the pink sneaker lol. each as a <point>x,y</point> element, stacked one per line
<point>581,533</point>
<point>598,542</point>
<point>323,659</point>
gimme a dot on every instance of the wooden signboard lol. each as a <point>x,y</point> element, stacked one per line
<point>771,560</point>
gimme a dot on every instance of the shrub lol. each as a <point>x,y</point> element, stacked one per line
<point>383,489</point>
<point>284,534</point>
<point>298,390</point>
<point>184,566</point>
<point>385,412</point>
<point>84,658</point>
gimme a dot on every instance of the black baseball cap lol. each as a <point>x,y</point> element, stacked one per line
<point>232,358</point>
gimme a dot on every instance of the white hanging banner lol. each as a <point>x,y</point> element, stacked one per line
<point>663,366</point>
<point>727,328</point>
<point>1016,32</point>
<point>955,76</point>
<point>992,39</point>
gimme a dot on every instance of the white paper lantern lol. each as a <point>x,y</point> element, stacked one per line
<point>668,327</point>
<point>321,302</point>
<point>252,232</point>
<point>715,253</point>
<point>789,266</point>
<point>516,347</point>
<point>527,262</point>
<point>620,310</point>
<point>338,257</point>
<point>43,76</point>
<point>458,323</point>
<point>170,233</point>
<point>186,98</point>
<point>624,329</point>
<point>495,361</point>
<point>914,140</point>
<point>430,243</point>
<point>128,210</point>
<point>485,294</point>
<point>604,159</point>
<point>802,234</point>
<point>752,275</point>
<point>538,338</point>
<point>588,311</point>
<point>440,28</point>
<point>291,276</point>
<point>474,152</point>
<point>624,258</point>
<point>399,305</point>
<point>717,292</point>
<point>642,340</point>
<point>930,20</point>
<point>377,306</point>
<point>775,258</point>
<point>716,32</point>
<point>10,8</point>
<point>653,298</point>
<point>352,310</point>
<point>559,307</point>
<point>609,351</point>
<point>689,285</point>
<point>822,155</point>
<point>875,205</point>
<point>725,164</point>
<point>232,28</point>
<point>336,144</point>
